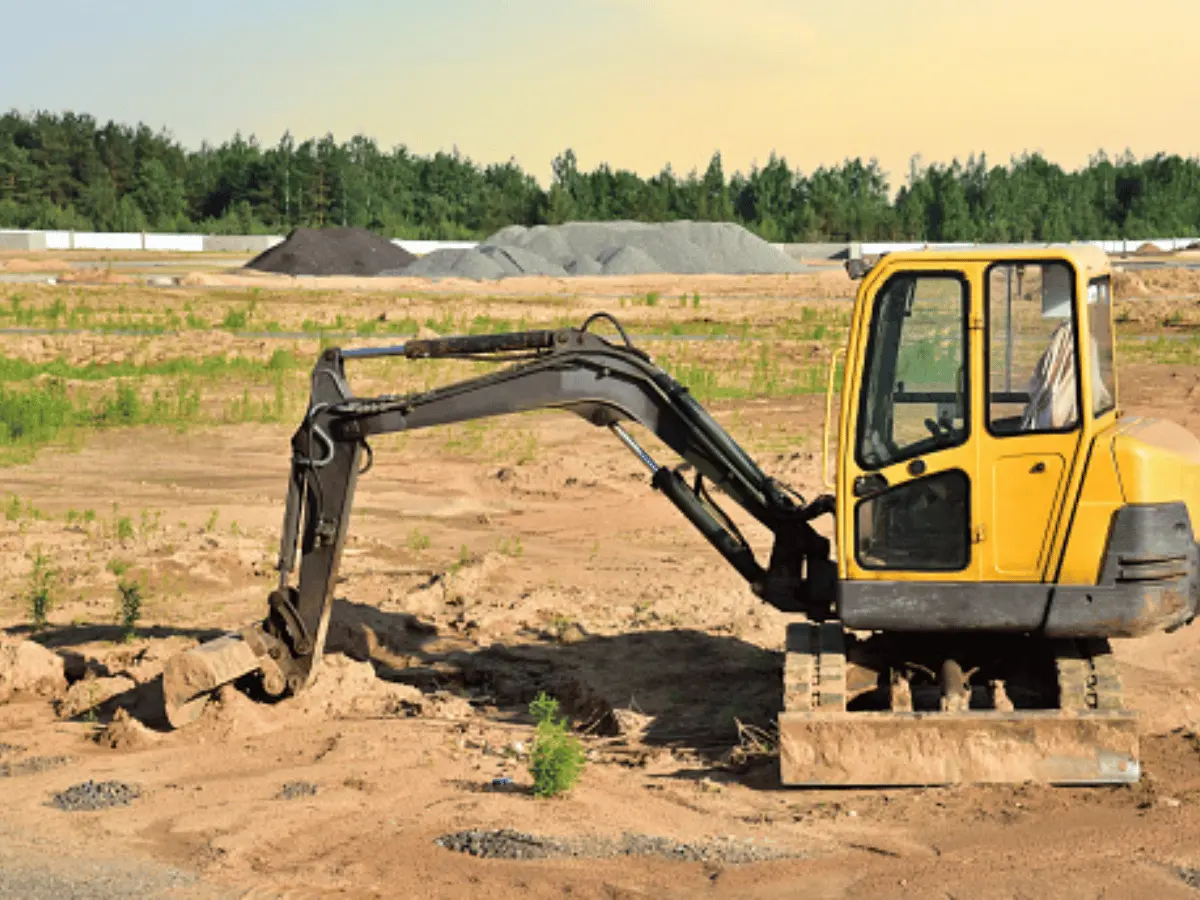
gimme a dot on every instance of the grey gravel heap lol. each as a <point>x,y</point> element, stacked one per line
<point>92,795</point>
<point>506,843</point>
<point>609,248</point>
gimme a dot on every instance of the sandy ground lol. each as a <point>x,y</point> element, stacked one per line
<point>485,565</point>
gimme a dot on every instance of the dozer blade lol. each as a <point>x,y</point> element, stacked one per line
<point>1086,738</point>
<point>189,678</point>
<point>875,749</point>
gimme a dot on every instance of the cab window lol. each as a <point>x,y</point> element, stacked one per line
<point>914,396</point>
<point>1099,309</point>
<point>1033,384</point>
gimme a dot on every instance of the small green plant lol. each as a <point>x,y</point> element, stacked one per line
<point>117,567</point>
<point>418,540</point>
<point>512,547</point>
<point>124,529</point>
<point>38,595</point>
<point>150,522</point>
<point>129,609</point>
<point>557,759</point>
<point>211,523</point>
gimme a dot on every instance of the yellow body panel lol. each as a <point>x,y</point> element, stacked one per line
<point>1025,489</point>
<point>1024,486</point>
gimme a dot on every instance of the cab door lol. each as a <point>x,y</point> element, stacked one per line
<point>1032,422</point>
<point>909,463</point>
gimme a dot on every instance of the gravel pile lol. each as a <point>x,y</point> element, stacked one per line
<point>34,765</point>
<point>608,248</point>
<point>294,790</point>
<point>93,795</point>
<point>332,251</point>
<point>505,843</point>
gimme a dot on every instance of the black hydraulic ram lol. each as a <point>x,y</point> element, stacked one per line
<point>571,369</point>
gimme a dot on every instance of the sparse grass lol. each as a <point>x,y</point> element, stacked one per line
<point>511,546</point>
<point>39,592</point>
<point>418,540</point>
<point>557,758</point>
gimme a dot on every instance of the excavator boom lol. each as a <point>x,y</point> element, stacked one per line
<point>605,383</point>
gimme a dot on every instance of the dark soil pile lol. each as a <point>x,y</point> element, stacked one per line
<point>332,251</point>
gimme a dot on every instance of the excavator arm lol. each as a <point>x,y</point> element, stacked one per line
<point>608,384</point>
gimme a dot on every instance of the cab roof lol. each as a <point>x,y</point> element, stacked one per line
<point>1090,260</point>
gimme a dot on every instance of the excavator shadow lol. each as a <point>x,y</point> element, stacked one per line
<point>679,689</point>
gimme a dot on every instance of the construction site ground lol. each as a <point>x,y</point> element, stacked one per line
<point>488,562</point>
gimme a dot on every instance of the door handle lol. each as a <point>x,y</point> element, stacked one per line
<point>869,485</point>
<point>1038,468</point>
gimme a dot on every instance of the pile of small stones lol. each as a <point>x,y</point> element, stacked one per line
<point>506,843</point>
<point>92,795</point>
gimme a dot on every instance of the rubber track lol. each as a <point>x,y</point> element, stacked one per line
<point>814,668</point>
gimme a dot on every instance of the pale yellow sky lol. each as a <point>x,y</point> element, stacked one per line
<point>639,83</point>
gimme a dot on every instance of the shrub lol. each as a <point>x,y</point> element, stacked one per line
<point>38,594</point>
<point>129,611</point>
<point>557,759</point>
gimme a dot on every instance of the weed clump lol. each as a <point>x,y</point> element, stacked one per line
<point>557,759</point>
<point>38,596</point>
<point>129,606</point>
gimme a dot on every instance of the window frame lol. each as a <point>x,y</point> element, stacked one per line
<point>987,347</point>
<point>966,536</point>
<point>864,377</point>
<point>1112,345</point>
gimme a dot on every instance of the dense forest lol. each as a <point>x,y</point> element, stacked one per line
<point>70,171</point>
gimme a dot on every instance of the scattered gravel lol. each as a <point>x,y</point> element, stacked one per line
<point>505,843</point>
<point>34,765</point>
<point>92,795</point>
<point>1190,877</point>
<point>10,749</point>
<point>608,248</point>
<point>294,790</point>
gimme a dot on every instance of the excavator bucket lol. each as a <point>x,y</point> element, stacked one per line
<point>191,677</point>
<point>826,741</point>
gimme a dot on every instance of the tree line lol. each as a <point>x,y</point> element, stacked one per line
<point>67,171</point>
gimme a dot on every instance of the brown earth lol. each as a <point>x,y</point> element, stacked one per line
<point>487,563</point>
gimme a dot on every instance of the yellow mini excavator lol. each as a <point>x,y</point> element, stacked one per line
<point>997,519</point>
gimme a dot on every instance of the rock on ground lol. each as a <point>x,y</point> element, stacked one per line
<point>28,667</point>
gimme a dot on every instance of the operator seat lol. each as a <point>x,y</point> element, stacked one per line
<point>1052,393</point>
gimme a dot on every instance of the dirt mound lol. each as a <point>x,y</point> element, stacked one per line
<point>1149,249</point>
<point>125,732</point>
<point>26,666</point>
<point>25,266</point>
<point>332,251</point>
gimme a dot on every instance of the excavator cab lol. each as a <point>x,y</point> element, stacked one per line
<point>996,519</point>
<point>979,407</point>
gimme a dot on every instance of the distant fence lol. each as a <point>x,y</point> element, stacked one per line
<point>13,239</point>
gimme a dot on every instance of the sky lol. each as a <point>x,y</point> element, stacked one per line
<point>634,83</point>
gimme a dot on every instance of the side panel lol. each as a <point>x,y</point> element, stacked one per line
<point>1025,491</point>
